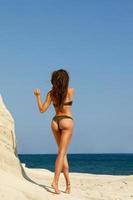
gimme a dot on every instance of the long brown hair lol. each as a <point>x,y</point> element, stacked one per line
<point>60,81</point>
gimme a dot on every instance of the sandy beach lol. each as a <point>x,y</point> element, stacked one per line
<point>19,182</point>
<point>87,186</point>
<point>84,186</point>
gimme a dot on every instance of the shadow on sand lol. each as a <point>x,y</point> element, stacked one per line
<point>46,187</point>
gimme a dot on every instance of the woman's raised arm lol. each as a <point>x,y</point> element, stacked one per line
<point>42,106</point>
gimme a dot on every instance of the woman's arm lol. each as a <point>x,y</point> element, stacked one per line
<point>42,106</point>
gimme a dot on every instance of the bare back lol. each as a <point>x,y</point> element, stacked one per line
<point>66,110</point>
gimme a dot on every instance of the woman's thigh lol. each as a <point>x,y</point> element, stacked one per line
<point>64,134</point>
<point>66,126</point>
<point>56,132</point>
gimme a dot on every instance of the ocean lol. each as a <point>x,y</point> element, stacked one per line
<point>111,164</point>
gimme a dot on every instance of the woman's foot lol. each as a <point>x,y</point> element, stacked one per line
<point>68,188</point>
<point>55,186</point>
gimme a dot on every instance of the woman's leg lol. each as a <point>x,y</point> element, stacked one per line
<point>66,174</point>
<point>65,169</point>
<point>66,134</point>
<point>57,135</point>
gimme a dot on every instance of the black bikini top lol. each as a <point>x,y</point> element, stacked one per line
<point>69,103</point>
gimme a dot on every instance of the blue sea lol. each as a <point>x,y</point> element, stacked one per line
<point>112,164</point>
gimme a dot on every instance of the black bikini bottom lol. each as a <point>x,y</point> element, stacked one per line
<point>57,118</point>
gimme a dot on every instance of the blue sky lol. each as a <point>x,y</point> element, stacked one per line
<point>93,40</point>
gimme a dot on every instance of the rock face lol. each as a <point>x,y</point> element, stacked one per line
<point>14,181</point>
<point>9,161</point>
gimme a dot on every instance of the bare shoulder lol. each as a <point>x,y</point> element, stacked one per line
<point>71,90</point>
<point>49,94</point>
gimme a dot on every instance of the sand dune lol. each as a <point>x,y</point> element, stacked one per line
<point>17,182</point>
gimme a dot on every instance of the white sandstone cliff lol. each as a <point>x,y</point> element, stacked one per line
<point>15,183</point>
<point>9,161</point>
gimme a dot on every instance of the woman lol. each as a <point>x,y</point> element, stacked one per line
<point>61,95</point>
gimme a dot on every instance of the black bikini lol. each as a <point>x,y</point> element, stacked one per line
<point>57,118</point>
<point>69,103</point>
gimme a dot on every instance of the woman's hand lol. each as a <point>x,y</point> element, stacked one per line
<point>42,106</point>
<point>37,92</point>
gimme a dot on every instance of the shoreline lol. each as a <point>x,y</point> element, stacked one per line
<point>103,164</point>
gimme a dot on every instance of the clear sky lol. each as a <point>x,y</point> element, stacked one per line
<point>91,39</point>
